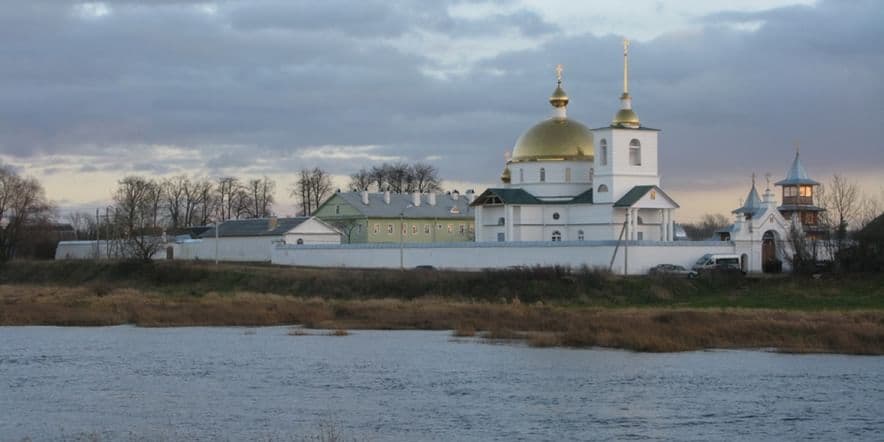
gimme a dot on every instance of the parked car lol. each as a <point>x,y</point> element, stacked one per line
<point>672,269</point>
<point>716,261</point>
<point>723,269</point>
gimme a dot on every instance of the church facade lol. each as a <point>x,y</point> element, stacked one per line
<point>566,182</point>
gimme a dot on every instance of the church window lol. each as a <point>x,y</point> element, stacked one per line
<point>580,235</point>
<point>567,174</point>
<point>450,228</point>
<point>500,237</point>
<point>501,221</point>
<point>404,229</point>
<point>806,190</point>
<point>556,215</point>
<point>300,241</point>
<point>639,220</point>
<point>639,235</point>
<point>542,174</point>
<point>635,153</point>
<point>790,191</point>
<point>603,148</point>
<point>521,175</point>
<point>603,188</point>
<point>556,236</point>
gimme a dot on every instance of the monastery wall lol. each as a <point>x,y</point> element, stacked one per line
<point>473,256</point>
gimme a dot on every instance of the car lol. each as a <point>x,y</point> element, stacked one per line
<point>723,269</point>
<point>672,269</point>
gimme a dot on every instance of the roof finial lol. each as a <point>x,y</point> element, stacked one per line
<point>753,179</point>
<point>559,99</point>
<point>559,69</point>
<point>625,67</point>
<point>797,148</point>
<point>767,177</point>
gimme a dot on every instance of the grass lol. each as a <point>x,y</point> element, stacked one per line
<point>544,307</point>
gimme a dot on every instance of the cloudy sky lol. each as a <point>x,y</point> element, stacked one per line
<point>91,91</point>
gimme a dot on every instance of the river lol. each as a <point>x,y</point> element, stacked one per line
<point>226,383</point>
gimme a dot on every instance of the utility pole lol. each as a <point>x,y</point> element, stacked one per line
<point>97,234</point>
<point>216,242</point>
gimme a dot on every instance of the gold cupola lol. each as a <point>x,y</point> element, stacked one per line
<point>557,138</point>
<point>506,176</point>
<point>626,117</point>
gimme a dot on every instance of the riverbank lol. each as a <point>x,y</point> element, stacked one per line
<point>546,307</point>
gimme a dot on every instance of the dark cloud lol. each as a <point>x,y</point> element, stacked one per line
<point>272,77</point>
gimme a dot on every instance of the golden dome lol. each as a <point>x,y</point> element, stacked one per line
<point>555,139</point>
<point>558,98</point>
<point>505,176</point>
<point>626,118</point>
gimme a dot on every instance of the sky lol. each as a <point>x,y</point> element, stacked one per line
<point>93,91</point>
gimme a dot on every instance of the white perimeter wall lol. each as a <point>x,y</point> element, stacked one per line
<point>642,254</point>
<point>244,249</point>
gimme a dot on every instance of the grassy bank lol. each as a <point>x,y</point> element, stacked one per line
<point>548,285</point>
<point>546,307</point>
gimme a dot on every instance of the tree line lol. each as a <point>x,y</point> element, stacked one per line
<point>398,178</point>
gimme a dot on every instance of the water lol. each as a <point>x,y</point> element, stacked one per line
<point>127,383</point>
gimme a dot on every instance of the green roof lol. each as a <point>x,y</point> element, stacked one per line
<point>632,197</point>
<point>520,196</point>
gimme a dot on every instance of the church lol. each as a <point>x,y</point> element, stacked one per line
<point>567,182</point>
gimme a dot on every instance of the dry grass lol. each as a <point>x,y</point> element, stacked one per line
<point>641,329</point>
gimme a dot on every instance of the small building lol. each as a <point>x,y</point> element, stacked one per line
<point>798,200</point>
<point>250,240</point>
<point>386,217</point>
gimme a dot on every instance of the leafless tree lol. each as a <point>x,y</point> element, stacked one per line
<point>23,206</point>
<point>311,188</point>
<point>175,200</point>
<point>706,227</point>
<point>841,199</point>
<point>361,180</point>
<point>261,192</point>
<point>134,207</point>
<point>425,178</point>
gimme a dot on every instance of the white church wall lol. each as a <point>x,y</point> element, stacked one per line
<point>642,255</point>
<point>556,176</point>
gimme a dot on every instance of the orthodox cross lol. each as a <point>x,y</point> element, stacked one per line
<point>625,66</point>
<point>559,69</point>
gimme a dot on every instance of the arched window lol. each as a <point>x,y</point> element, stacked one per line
<point>501,221</point>
<point>521,175</point>
<point>580,235</point>
<point>542,175</point>
<point>603,152</point>
<point>635,153</point>
<point>603,188</point>
<point>556,236</point>
<point>300,241</point>
<point>567,174</point>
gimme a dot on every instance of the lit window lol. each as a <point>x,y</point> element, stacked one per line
<point>635,153</point>
<point>603,148</point>
<point>542,175</point>
<point>806,190</point>
<point>603,188</point>
<point>556,236</point>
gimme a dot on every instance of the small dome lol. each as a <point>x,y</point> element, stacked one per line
<point>506,177</point>
<point>626,118</point>
<point>559,98</point>
<point>555,139</point>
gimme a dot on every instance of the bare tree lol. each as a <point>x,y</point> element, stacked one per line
<point>841,199</point>
<point>311,188</point>
<point>23,205</point>
<point>134,206</point>
<point>175,200</point>
<point>706,227</point>
<point>425,178</point>
<point>261,197</point>
<point>361,180</point>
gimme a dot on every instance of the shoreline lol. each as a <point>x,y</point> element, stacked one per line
<point>643,329</point>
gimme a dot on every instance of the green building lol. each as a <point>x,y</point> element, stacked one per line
<point>385,217</point>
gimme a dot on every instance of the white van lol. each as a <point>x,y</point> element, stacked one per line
<point>717,261</point>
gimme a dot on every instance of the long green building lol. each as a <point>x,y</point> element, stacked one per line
<point>385,217</point>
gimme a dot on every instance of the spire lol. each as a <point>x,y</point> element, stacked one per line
<point>796,175</point>
<point>626,117</point>
<point>559,99</point>
<point>752,202</point>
